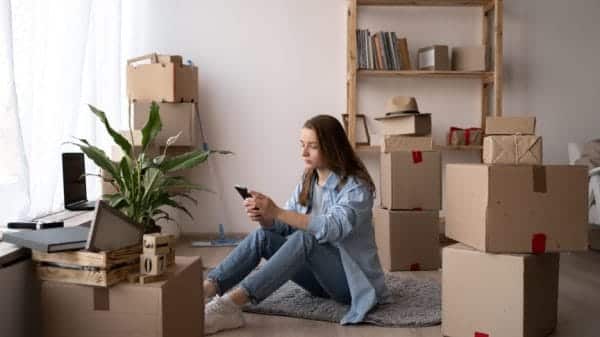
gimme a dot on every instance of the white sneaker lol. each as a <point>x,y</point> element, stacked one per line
<point>222,314</point>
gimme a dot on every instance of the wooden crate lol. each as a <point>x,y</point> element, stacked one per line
<point>101,269</point>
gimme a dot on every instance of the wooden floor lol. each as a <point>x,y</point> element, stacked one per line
<point>579,304</point>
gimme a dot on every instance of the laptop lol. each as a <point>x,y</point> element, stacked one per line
<point>111,230</point>
<point>74,188</point>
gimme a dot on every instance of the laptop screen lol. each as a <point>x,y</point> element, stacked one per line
<point>73,177</point>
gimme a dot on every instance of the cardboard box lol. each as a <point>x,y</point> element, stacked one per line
<point>411,180</point>
<point>510,125</point>
<point>128,309</point>
<point>517,209</point>
<point>513,149</point>
<point>594,237</point>
<point>405,124</point>
<point>162,81</point>
<point>392,143</point>
<point>407,240</point>
<point>175,117</point>
<point>498,295</point>
<point>470,58</point>
<point>433,58</point>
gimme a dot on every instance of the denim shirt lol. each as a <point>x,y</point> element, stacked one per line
<point>346,222</point>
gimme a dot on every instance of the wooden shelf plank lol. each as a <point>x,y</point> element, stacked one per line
<point>428,3</point>
<point>368,148</point>
<point>377,148</point>
<point>483,75</point>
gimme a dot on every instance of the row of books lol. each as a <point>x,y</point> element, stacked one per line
<point>381,51</point>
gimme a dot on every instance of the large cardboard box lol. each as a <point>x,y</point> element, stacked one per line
<point>513,149</point>
<point>161,80</point>
<point>175,117</point>
<point>510,125</point>
<point>411,180</point>
<point>174,307</point>
<point>471,58</point>
<point>517,209</point>
<point>405,124</point>
<point>498,295</point>
<point>392,143</point>
<point>407,240</point>
<point>594,236</point>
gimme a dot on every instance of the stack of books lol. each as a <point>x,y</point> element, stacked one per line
<point>382,51</point>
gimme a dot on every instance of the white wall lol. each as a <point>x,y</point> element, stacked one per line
<point>266,66</point>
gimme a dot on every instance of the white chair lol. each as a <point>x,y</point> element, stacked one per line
<point>575,150</point>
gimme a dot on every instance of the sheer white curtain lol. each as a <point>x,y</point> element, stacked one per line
<point>55,58</point>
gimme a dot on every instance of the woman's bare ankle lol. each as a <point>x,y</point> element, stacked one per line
<point>238,296</point>
<point>210,288</point>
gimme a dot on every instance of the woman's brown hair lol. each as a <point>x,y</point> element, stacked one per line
<point>337,153</point>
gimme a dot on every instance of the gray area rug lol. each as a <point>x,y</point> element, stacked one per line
<point>416,303</point>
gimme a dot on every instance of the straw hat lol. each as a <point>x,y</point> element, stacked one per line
<point>401,104</point>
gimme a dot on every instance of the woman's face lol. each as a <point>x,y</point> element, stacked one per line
<point>311,151</point>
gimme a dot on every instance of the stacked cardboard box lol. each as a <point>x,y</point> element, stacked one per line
<point>406,223</point>
<point>511,221</point>
<point>511,140</point>
<point>174,86</point>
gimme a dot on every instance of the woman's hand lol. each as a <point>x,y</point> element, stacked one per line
<point>255,213</point>
<point>261,207</point>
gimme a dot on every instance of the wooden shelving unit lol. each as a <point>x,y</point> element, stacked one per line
<point>486,76</point>
<point>491,81</point>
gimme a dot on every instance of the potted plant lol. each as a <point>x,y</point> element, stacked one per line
<point>144,184</point>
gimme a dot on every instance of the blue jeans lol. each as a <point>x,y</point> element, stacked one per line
<point>298,257</point>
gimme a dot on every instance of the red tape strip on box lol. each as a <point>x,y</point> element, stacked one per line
<point>480,334</point>
<point>538,243</point>
<point>415,267</point>
<point>417,156</point>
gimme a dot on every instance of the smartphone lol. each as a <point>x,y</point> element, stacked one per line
<point>243,191</point>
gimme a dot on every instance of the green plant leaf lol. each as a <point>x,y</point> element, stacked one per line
<point>184,161</point>
<point>126,169</point>
<point>179,182</point>
<point>152,178</point>
<point>117,200</point>
<point>100,158</point>
<point>152,127</point>
<point>117,137</point>
<point>175,204</point>
<point>186,196</point>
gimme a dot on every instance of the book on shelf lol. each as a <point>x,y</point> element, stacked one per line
<point>381,51</point>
